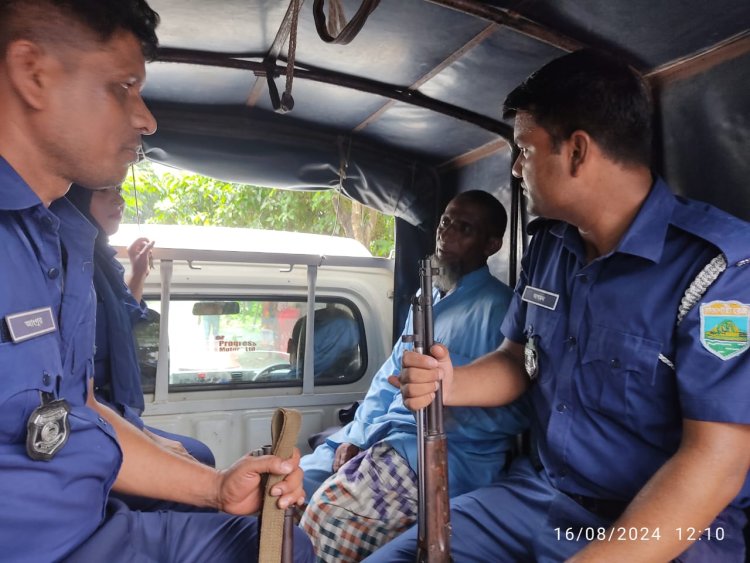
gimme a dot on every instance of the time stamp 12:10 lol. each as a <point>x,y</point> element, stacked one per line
<point>622,533</point>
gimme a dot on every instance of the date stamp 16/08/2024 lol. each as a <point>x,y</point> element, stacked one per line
<point>621,533</point>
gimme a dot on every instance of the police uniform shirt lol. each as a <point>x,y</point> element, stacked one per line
<point>48,507</point>
<point>608,406</point>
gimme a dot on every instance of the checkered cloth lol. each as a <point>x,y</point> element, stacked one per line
<point>368,502</point>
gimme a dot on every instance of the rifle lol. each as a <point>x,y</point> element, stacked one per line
<point>433,509</point>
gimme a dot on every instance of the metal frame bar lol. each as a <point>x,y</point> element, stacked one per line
<point>512,20</point>
<point>393,92</point>
<point>161,385</point>
<point>308,373</point>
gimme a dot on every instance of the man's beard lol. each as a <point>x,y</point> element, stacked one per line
<point>450,274</point>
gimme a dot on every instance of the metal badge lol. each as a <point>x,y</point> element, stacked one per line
<point>48,429</point>
<point>531,358</point>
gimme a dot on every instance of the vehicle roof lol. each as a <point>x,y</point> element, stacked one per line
<point>415,97</point>
<point>194,237</point>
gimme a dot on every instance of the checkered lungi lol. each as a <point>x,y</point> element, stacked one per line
<point>368,502</point>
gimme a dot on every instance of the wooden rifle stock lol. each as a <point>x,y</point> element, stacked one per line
<point>433,506</point>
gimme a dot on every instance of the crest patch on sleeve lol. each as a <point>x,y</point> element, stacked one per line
<point>724,326</point>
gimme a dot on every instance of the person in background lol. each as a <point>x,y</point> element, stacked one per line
<point>362,482</point>
<point>71,74</point>
<point>119,306</point>
<point>336,343</point>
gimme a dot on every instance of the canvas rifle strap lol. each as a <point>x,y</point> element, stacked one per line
<point>285,427</point>
<point>695,291</point>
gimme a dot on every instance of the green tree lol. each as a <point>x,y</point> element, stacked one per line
<point>181,198</point>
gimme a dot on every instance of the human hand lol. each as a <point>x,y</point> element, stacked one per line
<point>421,376</point>
<point>239,486</point>
<point>344,453</point>
<point>139,253</point>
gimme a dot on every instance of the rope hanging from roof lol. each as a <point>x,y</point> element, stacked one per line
<point>337,30</point>
<point>285,102</point>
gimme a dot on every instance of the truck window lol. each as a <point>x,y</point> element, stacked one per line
<point>245,342</point>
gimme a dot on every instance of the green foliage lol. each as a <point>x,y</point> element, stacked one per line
<point>180,198</point>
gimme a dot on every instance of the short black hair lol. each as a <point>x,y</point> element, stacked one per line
<point>594,92</point>
<point>495,218</point>
<point>42,19</point>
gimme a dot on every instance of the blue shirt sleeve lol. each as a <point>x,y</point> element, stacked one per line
<point>378,400</point>
<point>712,374</point>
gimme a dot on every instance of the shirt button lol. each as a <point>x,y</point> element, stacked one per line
<point>52,273</point>
<point>615,363</point>
<point>561,407</point>
<point>46,378</point>
<point>584,278</point>
<point>572,341</point>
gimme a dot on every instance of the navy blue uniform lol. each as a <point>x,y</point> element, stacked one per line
<point>51,508</point>
<point>608,404</point>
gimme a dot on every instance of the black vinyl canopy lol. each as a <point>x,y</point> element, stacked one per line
<point>408,112</point>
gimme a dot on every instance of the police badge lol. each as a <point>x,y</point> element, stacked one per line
<point>48,428</point>
<point>531,358</point>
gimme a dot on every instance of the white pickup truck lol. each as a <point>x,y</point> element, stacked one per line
<point>221,351</point>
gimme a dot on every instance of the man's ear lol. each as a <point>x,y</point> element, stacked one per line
<point>580,150</point>
<point>493,245</point>
<point>28,72</point>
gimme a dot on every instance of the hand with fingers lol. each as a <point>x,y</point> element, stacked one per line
<point>421,375</point>
<point>240,490</point>
<point>139,253</point>
<point>344,453</point>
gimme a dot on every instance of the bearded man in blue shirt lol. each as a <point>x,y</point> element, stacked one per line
<point>629,326</point>
<point>71,110</point>
<point>351,511</point>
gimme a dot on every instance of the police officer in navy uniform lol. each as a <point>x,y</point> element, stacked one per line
<point>71,111</point>
<point>640,387</point>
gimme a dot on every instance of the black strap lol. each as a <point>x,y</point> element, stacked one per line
<point>351,29</point>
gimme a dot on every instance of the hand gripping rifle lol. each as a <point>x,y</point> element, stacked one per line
<point>433,522</point>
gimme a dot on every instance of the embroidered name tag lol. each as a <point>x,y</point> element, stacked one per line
<point>29,324</point>
<point>537,296</point>
<point>724,328</point>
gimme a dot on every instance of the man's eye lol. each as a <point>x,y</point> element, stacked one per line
<point>445,222</point>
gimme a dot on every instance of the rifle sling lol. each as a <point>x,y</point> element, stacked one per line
<point>285,427</point>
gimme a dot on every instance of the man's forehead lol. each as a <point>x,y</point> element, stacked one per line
<point>126,53</point>
<point>120,54</point>
<point>523,124</point>
<point>464,209</point>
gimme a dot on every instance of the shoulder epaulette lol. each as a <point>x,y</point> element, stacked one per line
<point>726,232</point>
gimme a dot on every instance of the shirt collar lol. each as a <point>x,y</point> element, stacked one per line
<point>75,230</point>
<point>15,193</point>
<point>475,278</point>
<point>466,283</point>
<point>646,234</point>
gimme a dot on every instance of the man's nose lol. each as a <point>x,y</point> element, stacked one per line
<point>143,119</point>
<point>445,232</point>
<point>516,170</point>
